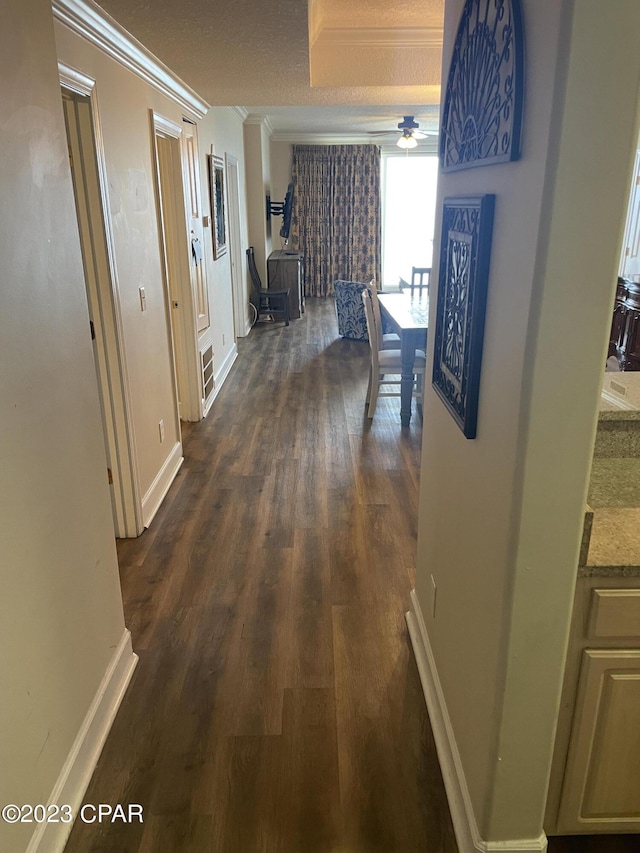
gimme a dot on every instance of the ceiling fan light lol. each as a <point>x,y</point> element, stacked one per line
<point>406,142</point>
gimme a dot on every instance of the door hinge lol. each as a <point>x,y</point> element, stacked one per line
<point>93,330</point>
<point>110,476</point>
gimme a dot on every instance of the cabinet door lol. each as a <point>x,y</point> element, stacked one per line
<point>632,339</point>
<point>601,790</point>
<point>618,328</point>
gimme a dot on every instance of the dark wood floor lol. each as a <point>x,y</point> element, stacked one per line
<point>276,707</point>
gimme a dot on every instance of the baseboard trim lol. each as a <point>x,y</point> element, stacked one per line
<point>160,486</point>
<point>81,761</point>
<point>462,814</point>
<point>221,376</point>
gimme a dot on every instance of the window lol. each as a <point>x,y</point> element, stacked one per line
<point>409,185</point>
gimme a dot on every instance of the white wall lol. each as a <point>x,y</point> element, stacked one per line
<point>256,146</point>
<point>281,163</point>
<point>222,129</point>
<point>60,608</point>
<point>500,516</point>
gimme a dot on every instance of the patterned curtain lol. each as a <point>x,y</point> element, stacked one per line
<point>336,217</point>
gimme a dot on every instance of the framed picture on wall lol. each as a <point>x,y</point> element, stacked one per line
<point>218,211</point>
<point>465,251</point>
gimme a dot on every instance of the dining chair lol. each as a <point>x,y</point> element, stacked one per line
<point>385,363</point>
<point>389,339</point>
<point>420,280</point>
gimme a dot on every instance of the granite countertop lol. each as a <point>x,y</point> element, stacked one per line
<point>615,482</point>
<point>611,543</point>
<point>611,537</point>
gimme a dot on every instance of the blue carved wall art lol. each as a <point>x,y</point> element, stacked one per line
<point>465,252</point>
<point>482,117</point>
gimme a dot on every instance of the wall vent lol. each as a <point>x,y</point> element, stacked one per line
<point>208,384</point>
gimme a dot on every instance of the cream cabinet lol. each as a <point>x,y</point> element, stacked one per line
<point>595,778</point>
<point>601,789</point>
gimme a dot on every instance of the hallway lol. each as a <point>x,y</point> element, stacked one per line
<point>276,705</point>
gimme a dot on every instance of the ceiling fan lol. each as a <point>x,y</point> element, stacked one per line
<point>409,130</point>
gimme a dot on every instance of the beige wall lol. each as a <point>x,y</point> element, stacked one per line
<point>124,102</point>
<point>60,608</point>
<point>516,493</point>
<point>281,162</point>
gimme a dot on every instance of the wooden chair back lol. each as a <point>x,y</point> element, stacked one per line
<point>420,279</point>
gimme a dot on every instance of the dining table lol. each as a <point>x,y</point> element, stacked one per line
<point>407,316</point>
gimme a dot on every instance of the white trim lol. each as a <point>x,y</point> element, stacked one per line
<point>262,120</point>
<point>462,814</point>
<point>75,80</point>
<point>426,147</point>
<point>81,761</point>
<point>241,112</point>
<point>88,20</point>
<point>160,486</point>
<point>221,375</point>
<point>163,125</point>
<point>397,38</point>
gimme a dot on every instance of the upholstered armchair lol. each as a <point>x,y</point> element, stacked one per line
<point>352,323</point>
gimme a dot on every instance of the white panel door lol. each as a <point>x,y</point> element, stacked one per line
<point>193,201</point>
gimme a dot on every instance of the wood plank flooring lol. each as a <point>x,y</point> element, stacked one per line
<point>276,707</point>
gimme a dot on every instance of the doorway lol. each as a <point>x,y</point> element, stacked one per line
<point>179,216</point>
<point>89,185</point>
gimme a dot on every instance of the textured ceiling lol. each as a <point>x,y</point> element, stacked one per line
<point>383,13</point>
<point>252,53</point>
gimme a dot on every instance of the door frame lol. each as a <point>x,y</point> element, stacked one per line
<point>181,309</point>
<point>106,315</point>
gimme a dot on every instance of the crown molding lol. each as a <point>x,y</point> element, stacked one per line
<point>242,112</point>
<point>262,120</point>
<point>88,20</point>
<point>425,146</point>
<point>381,37</point>
<point>75,80</point>
<point>302,138</point>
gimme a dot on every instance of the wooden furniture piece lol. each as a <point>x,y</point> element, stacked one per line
<point>595,776</point>
<point>386,363</point>
<point>388,340</point>
<point>420,280</point>
<point>267,301</point>
<point>285,271</point>
<point>624,340</point>
<point>408,317</point>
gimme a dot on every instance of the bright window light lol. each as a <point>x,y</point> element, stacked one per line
<point>409,206</point>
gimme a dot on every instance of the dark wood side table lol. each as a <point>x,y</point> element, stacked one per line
<point>624,340</point>
<point>285,269</point>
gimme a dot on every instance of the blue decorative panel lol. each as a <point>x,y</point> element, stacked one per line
<point>482,117</point>
<point>350,310</point>
<point>465,251</point>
